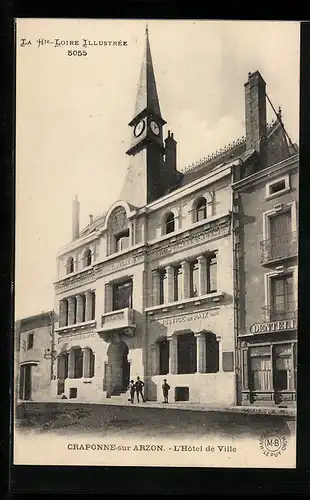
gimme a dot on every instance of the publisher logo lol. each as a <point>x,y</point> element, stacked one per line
<point>273,443</point>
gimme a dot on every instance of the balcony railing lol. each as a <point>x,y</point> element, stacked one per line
<point>122,319</point>
<point>280,312</point>
<point>279,247</point>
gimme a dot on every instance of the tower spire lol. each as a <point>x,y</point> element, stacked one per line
<point>147,96</point>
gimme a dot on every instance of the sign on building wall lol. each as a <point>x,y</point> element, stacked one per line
<point>274,326</point>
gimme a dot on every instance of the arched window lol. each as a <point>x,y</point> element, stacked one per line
<point>87,257</point>
<point>70,265</point>
<point>201,209</point>
<point>169,223</point>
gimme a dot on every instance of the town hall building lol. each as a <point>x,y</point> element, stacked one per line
<point>148,288</point>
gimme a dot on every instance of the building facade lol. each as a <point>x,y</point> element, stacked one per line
<point>34,345</point>
<point>266,264</point>
<point>147,289</point>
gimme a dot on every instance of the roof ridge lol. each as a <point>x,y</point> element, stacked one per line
<point>228,147</point>
<point>216,154</point>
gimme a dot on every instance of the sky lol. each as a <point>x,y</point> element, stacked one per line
<point>72,115</point>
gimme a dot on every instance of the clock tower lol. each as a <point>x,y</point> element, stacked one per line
<point>148,175</point>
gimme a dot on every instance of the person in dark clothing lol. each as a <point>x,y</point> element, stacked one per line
<point>165,388</point>
<point>139,386</point>
<point>132,389</point>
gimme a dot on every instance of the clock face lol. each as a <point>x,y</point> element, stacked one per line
<point>154,128</point>
<point>139,128</point>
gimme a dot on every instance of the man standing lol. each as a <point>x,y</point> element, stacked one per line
<point>139,386</point>
<point>132,390</point>
<point>165,388</point>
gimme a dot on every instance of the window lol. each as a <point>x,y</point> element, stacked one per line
<point>277,187</point>
<point>212,274</point>
<point>283,367</point>
<point>282,297</point>
<point>91,364</point>
<point>280,233</point>
<point>178,283</point>
<point>122,241</point>
<point>280,226</point>
<point>122,295</point>
<point>87,258</point>
<point>271,368</point>
<point>164,357</point>
<point>194,278</point>
<point>70,265</point>
<point>30,341</point>
<point>72,392</point>
<point>201,209</point>
<point>162,286</point>
<point>83,309</point>
<point>260,368</point>
<point>169,223</point>
<point>93,305</point>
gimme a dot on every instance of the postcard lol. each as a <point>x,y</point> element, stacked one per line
<point>157,169</point>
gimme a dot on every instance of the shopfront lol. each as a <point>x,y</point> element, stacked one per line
<point>269,369</point>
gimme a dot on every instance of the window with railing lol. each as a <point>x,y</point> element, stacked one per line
<point>122,295</point>
<point>282,241</point>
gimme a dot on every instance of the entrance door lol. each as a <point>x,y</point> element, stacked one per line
<point>25,382</point>
<point>283,371</point>
<point>126,371</point>
<point>119,367</point>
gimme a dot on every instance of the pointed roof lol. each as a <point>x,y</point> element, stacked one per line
<point>147,97</point>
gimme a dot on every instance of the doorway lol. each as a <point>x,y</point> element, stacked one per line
<point>25,385</point>
<point>118,368</point>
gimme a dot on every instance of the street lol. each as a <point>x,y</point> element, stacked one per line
<point>145,420</point>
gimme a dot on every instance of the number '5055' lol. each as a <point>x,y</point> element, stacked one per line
<point>77,53</point>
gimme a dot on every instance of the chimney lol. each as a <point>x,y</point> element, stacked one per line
<point>75,218</point>
<point>171,153</point>
<point>91,219</point>
<point>255,115</point>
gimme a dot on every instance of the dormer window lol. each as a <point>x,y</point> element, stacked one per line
<point>201,209</point>
<point>87,258</point>
<point>70,265</point>
<point>169,223</point>
<point>119,233</point>
<point>122,241</point>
